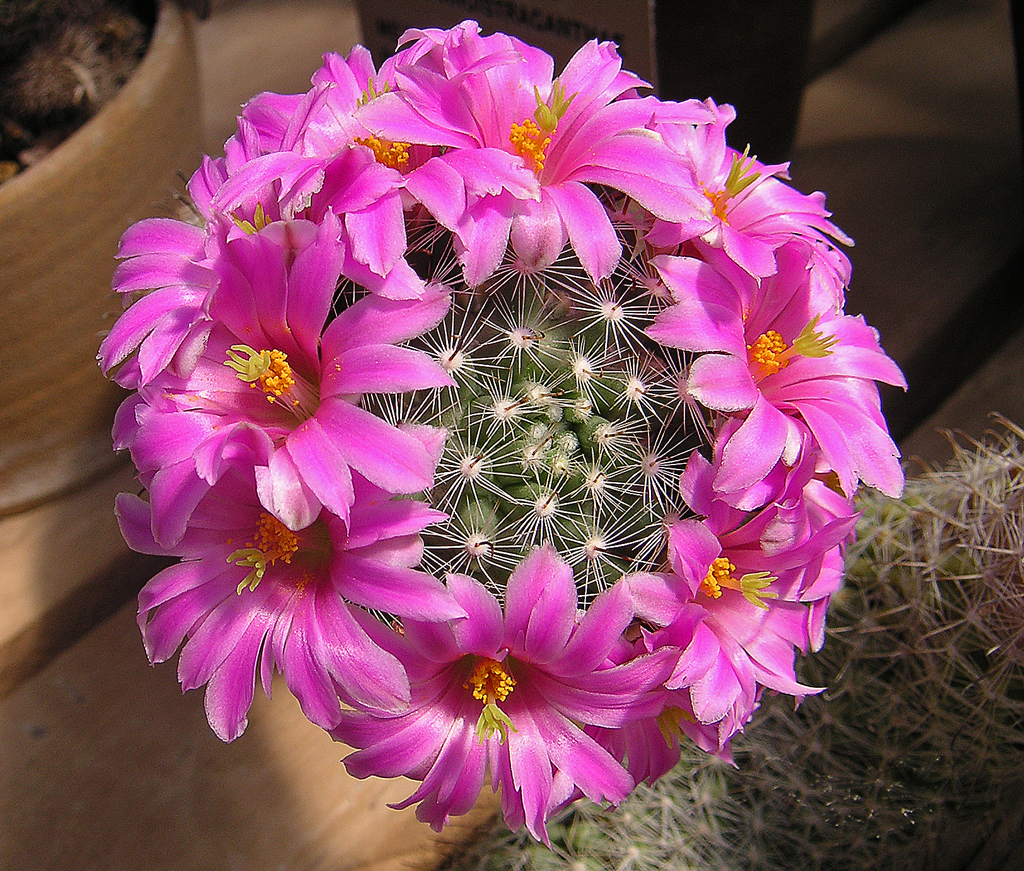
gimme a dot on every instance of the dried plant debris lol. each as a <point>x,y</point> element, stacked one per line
<point>913,758</point>
<point>60,62</point>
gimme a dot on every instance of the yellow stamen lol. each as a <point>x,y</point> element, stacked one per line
<point>718,576</point>
<point>752,585</point>
<point>739,179</point>
<point>273,541</point>
<point>767,352</point>
<point>670,720</point>
<point>530,143</point>
<point>491,683</point>
<point>392,154</point>
<point>771,353</point>
<point>269,368</point>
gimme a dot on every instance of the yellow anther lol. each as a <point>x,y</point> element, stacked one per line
<point>771,353</point>
<point>273,541</point>
<point>530,143</point>
<point>392,154</point>
<point>269,368</point>
<point>719,575</point>
<point>491,683</point>
<point>670,723</point>
<point>768,352</point>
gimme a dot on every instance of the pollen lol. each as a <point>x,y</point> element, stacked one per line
<point>273,541</point>
<point>269,368</point>
<point>719,204</point>
<point>490,682</point>
<point>752,585</point>
<point>771,353</point>
<point>392,154</point>
<point>530,143</point>
<point>767,352</point>
<point>718,576</point>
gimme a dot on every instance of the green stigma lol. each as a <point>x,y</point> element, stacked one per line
<point>740,177</point>
<point>811,343</point>
<point>548,116</point>
<point>372,92</point>
<point>669,723</point>
<point>256,560</point>
<point>753,588</point>
<point>259,221</point>
<point>493,719</point>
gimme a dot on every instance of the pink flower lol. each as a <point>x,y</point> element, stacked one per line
<point>510,692</point>
<point>745,592</point>
<point>273,381</point>
<point>747,210</point>
<point>521,148</point>
<point>785,360</point>
<point>170,263</point>
<point>298,156</point>
<point>649,747</point>
<point>251,596</point>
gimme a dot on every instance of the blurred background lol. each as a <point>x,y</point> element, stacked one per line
<point>905,114</point>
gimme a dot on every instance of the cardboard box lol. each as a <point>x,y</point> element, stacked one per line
<point>559,27</point>
<point>752,55</point>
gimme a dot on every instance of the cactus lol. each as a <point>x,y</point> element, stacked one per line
<point>565,424</point>
<point>914,755</point>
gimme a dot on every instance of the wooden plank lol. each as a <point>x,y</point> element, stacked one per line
<point>106,765</point>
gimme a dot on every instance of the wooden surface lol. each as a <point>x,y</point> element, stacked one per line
<point>104,765</point>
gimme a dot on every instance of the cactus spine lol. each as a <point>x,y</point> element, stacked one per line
<point>913,758</point>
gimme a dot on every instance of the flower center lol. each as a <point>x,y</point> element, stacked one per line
<point>739,179</point>
<point>259,221</point>
<point>273,541</point>
<point>392,154</point>
<point>530,143</point>
<point>491,683</point>
<point>670,723</point>
<point>269,371</point>
<point>769,352</point>
<point>751,585</point>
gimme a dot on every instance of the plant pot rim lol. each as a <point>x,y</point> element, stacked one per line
<point>170,30</point>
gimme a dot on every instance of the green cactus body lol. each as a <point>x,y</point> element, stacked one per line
<point>912,758</point>
<point>565,426</point>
